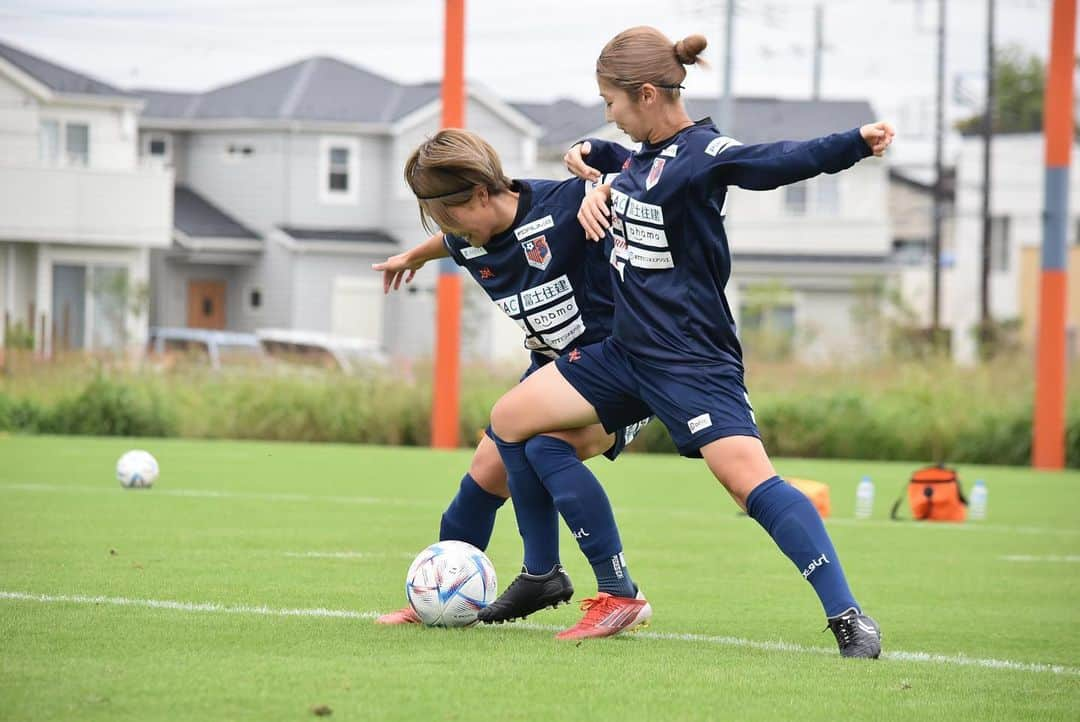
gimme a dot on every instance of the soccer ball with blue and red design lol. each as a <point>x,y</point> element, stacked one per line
<point>449,582</point>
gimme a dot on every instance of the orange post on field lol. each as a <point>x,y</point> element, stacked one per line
<point>1048,442</point>
<point>444,405</point>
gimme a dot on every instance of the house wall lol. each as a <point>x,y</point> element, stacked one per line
<point>18,124</point>
<point>315,276</point>
<point>250,188</point>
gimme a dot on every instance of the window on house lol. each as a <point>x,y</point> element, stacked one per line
<point>49,142</point>
<point>338,176</point>
<point>240,150</point>
<point>255,299</point>
<point>795,199</point>
<point>1000,228</point>
<point>828,194</point>
<point>77,144</point>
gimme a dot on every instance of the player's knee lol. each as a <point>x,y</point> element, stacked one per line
<point>504,421</point>
<point>490,475</point>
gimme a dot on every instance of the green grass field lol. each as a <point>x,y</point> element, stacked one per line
<point>244,585</point>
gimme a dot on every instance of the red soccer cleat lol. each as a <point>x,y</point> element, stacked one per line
<point>606,615</point>
<point>405,615</point>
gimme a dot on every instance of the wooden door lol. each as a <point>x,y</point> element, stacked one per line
<point>206,304</point>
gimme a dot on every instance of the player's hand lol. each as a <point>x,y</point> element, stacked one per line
<point>878,136</point>
<point>595,214</point>
<point>397,268</point>
<point>574,160</point>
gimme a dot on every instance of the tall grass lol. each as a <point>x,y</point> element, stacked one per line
<point>930,411</point>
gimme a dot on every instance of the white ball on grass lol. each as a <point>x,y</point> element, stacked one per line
<point>137,469</point>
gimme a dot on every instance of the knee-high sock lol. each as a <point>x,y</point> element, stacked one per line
<point>471,514</point>
<point>538,522</point>
<point>795,526</point>
<point>584,506</point>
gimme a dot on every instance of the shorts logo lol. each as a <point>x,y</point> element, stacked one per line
<point>698,423</point>
<point>654,173</point>
<point>486,273</point>
<point>537,252</point>
<point>574,355</point>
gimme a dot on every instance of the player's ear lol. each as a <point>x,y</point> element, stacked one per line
<point>482,195</point>
<point>647,94</point>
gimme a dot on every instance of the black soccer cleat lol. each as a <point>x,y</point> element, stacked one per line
<point>856,634</point>
<point>527,594</point>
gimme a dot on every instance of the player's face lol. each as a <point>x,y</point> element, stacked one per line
<point>623,110</point>
<point>474,221</point>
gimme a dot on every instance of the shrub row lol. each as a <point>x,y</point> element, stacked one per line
<point>842,420</point>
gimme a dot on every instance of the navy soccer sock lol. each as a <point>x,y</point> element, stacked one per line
<point>583,504</point>
<point>538,522</point>
<point>795,526</point>
<point>471,515</point>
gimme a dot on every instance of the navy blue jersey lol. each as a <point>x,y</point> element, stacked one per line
<point>542,271</point>
<point>667,247</point>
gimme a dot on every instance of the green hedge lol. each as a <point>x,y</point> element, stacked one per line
<point>965,418</point>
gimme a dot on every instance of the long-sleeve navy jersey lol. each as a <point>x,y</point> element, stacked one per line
<point>667,247</point>
<point>542,271</point>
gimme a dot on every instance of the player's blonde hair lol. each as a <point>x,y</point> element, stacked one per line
<point>445,171</point>
<point>643,55</point>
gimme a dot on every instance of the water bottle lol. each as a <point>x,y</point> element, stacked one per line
<point>977,502</point>
<point>864,498</point>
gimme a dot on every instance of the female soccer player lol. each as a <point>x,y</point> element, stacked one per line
<point>673,350</point>
<point>523,244</point>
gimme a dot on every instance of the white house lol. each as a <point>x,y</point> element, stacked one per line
<point>1016,202</point>
<point>289,186</point>
<point>79,213</point>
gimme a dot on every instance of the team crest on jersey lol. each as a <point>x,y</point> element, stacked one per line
<point>537,252</point>
<point>654,173</point>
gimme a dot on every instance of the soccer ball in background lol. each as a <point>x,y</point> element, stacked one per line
<point>449,582</point>
<point>136,469</point>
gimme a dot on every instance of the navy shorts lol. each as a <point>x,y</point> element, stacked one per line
<point>697,404</point>
<point>624,434</point>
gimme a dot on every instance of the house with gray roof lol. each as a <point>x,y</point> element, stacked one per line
<point>288,188</point>
<point>79,211</point>
<point>807,258</point>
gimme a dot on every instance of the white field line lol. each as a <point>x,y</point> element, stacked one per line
<point>214,494</point>
<point>718,514</point>
<point>1073,558</point>
<point>900,656</point>
<point>186,606</point>
<point>347,555</point>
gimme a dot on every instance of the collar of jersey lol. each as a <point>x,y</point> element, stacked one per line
<point>647,147</point>
<point>525,198</point>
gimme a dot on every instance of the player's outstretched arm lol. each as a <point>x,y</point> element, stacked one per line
<point>594,214</point>
<point>404,266</point>
<point>766,166</point>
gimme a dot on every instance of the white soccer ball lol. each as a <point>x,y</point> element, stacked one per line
<point>449,582</point>
<point>137,469</point>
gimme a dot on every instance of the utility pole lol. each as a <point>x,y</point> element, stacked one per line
<point>819,22</point>
<point>985,332</point>
<point>726,112</point>
<point>939,139</point>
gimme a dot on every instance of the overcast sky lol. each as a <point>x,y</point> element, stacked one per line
<point>880,50</point>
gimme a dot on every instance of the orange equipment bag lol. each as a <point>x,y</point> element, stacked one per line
<point>934,494</point>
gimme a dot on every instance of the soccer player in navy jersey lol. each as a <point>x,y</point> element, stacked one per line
<point>522,242</point>
<point>673,350</point>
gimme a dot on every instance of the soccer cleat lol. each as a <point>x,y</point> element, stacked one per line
<point>606,615</point>
<point>405,615</point>
<point>527,594</point>
<point>856,634</point>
